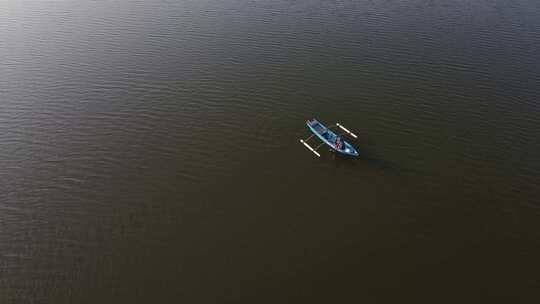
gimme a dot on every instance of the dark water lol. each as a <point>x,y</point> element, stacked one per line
<point>149,151</point>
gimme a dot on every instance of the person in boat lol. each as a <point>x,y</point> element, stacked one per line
<point>339,142</point>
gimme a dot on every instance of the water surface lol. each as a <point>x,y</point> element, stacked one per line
<point>149,151</point>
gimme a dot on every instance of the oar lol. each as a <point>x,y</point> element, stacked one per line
<point>345,129</point>
<point>310,148</point>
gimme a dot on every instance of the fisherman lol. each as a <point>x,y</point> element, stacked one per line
<point>338,142</point>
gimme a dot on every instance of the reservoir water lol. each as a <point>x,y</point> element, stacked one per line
<point>149,151</point>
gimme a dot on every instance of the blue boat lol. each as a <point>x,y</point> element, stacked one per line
<point>336,142</point>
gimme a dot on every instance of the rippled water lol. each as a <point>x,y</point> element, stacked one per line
<point>149,151</point>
